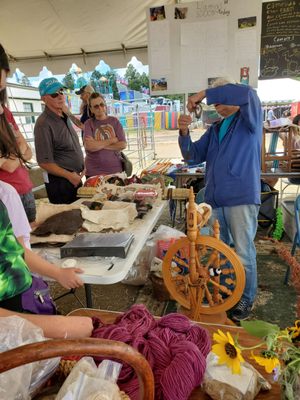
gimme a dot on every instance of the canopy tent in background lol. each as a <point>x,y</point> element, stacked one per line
<point>58,33</point>
<point>279,90</point>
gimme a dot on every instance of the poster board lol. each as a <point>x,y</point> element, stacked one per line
<point>280,40</point>
<point>189,44</point>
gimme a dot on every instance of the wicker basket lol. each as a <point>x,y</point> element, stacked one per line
<point>80,347</point>
<point>160,291</point>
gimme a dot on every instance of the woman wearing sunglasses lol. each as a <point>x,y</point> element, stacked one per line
<point>104,138</point>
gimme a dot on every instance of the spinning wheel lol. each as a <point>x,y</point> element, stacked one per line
<point>203,274</point>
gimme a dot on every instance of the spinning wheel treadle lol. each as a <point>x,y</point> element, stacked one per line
<point>202,273</point>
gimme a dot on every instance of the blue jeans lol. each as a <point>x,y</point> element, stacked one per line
<point>238,227</point>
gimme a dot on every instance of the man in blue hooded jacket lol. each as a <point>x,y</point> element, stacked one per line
<point>232,151</point>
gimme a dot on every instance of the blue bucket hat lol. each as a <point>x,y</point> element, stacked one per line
<point>49,86</point>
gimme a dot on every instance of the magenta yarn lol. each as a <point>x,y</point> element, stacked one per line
<point>175,348</point>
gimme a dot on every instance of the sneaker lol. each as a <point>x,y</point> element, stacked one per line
<point>241,311</point>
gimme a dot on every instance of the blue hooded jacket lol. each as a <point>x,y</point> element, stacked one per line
<point>232,175</point>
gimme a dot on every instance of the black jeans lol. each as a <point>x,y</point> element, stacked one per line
<point>60,190</point>
<point>294,181</point>
<point>13,303</point>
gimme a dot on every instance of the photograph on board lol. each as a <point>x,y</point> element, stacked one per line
<point>159,84</point>
<point>244,75</point>
<point>180,13</point>
<point>248,22</point>
<point>157,13</point>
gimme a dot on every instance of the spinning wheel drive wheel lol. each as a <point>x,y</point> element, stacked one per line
<point>219,278</point>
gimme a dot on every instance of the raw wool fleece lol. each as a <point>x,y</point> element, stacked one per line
<point>64,223</point>
<point>115,215</point>
<point>47,210</point>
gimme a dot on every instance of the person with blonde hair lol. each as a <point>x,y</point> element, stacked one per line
<point>103,139</point>
<point>231,148</point>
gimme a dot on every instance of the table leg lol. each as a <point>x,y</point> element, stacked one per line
<point>88,295</point>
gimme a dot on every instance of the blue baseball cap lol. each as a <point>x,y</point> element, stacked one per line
<point>49,86</point>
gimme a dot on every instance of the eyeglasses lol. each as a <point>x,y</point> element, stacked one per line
<point>54,95</point>
<point>98,105</point>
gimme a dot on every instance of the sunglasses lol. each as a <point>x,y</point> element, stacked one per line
<point>98,105</point>
<point>54,95</point>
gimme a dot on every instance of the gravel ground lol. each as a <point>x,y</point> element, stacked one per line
<point>273,295</point>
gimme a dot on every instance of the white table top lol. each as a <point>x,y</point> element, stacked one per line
<point>108,270</point>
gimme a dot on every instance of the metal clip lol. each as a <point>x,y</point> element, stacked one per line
<point>39,295</point>
<point>198,110</point>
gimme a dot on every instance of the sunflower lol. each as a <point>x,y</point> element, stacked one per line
<point>294,331</point>
<point>267,360</point>
<point>227,351</point>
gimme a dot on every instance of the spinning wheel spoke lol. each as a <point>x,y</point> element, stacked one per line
<point>221,276</point>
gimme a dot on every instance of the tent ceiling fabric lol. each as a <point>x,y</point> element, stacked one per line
<point>113,30</point>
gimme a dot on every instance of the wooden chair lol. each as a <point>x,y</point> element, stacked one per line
<point>282,158</point>
<point>82,347</point>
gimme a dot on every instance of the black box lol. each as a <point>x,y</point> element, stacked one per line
<point>98,244</point>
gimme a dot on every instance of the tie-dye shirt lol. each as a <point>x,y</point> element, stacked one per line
<point>15,277</point>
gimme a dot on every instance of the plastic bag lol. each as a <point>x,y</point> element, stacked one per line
<point>87,382</point>
<point>164,237</point>
<point>23,381</point>
<point>220,384</point>
<point>138,273</point>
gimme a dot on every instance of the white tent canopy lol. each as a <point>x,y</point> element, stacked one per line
<point>58,33</point>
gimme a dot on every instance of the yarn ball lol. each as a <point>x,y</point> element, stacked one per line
<point>175,348</point>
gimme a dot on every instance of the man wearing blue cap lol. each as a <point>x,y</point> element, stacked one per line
<point>57,146</point>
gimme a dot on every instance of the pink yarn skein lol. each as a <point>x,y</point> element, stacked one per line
<point>175,348</point>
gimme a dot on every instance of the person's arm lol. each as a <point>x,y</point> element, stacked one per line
<point>24,146</point>
<point>194,99</point>
<point>76,121</point>
<point>9,164</point>
<point>65,276</point>
<point>183,123</point>
<point>92,144</point>
<point>55,169</point>
<point>191,151</point>
<point>57,326</point>
<point>117,146</point>
<point>121,143</point>
<point>239,95</point>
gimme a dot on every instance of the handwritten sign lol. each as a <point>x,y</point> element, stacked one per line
<point>280,40</point>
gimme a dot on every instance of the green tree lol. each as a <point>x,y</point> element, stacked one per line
<point>81,81</point>
<point>25,81</point>
<point>111,76</point>
<point>95,80</point>
<point>133,77</point>
<point>145,80</point>
<point>68,81</point>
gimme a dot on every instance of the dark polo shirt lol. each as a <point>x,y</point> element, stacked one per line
<point>57,142</point>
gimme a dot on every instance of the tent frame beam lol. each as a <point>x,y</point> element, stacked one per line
<point>82,53</point>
